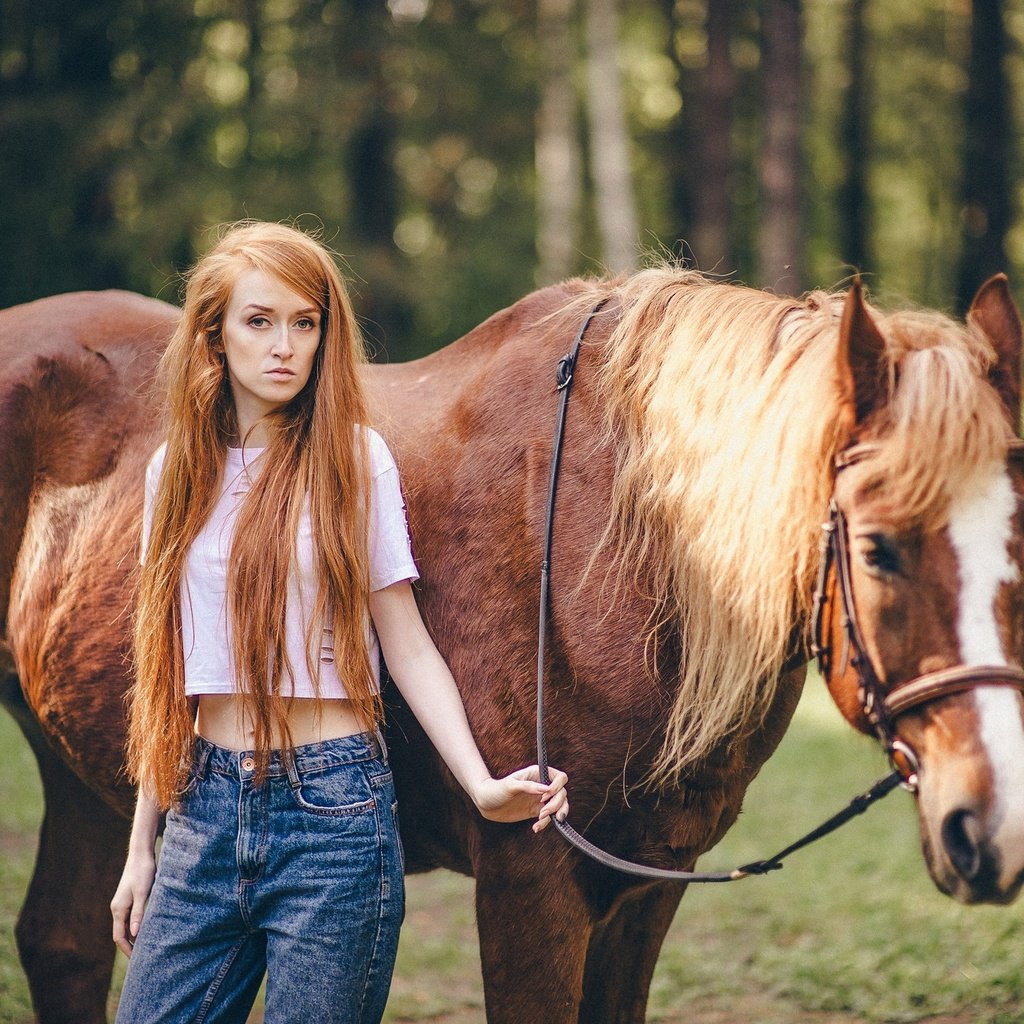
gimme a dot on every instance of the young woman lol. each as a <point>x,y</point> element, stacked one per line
<point>276,557</point>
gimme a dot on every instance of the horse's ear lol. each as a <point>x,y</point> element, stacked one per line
<point>995,313</point>
<point>862,364</point>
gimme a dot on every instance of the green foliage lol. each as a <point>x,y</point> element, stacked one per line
<point>406,129</point>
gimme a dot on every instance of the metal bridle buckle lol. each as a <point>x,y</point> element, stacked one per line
<point>904,760</point>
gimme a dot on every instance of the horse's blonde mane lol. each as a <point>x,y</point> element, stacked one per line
<point>728,403</point>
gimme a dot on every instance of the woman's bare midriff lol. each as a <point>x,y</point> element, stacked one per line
<point>222,720</point>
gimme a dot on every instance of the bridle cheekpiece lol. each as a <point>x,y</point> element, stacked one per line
<point>882,706</point>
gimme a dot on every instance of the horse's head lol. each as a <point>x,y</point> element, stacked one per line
<point>922,622</point>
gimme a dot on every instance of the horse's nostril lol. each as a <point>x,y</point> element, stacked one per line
<point>960,835</point>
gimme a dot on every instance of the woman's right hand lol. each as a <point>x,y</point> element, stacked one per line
<point>129,902</point>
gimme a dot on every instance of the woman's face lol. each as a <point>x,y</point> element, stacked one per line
<point>271,335</point>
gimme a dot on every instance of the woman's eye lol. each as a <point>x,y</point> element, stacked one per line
<point>306,324</point>
<point>881,555</point>
<point>258,321</point>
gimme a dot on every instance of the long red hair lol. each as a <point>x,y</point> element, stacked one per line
<point>316,453</point>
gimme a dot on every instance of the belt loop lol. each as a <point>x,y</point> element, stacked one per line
<point>292,768</point>
<point>379,733</point>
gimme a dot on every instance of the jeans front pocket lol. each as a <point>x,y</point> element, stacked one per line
<point>337,789</point>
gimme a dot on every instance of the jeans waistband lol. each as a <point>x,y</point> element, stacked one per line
<point>310,757</point>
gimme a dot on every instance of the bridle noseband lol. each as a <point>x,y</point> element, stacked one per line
<point>881,706</point>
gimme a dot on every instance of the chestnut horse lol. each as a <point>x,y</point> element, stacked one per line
<point>699,462</point>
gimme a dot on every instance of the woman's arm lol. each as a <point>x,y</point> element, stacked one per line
<point>129,902</point>
<point>427,685</point>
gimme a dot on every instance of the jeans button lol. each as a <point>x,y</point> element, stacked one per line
<point>248,764</point>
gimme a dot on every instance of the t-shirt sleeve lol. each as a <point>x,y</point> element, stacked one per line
<point>391,559</point>
<point>153,471</point>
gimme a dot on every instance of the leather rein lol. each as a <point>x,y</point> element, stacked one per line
<point>881,708</point>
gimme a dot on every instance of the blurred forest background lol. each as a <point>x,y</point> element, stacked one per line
<point>460,153</point>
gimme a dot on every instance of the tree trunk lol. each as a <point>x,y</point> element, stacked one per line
<point>781,169</point>
<point>557,148</point>
<point>384,308</point>
<point>675,147</point>
<point>986,212</point>
<point>712,130</point>
<point>854,209</point>
<point>609,140</point>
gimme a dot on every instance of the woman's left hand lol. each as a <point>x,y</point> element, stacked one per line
<point>521,795</point>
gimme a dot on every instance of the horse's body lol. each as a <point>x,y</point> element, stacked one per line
<point>562,940</point>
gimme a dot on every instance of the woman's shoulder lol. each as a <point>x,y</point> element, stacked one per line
<point>156,462</point>
<point>381,459</point>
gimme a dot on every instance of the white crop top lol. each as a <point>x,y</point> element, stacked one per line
<point>206,631</point>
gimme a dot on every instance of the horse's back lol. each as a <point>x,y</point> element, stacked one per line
<point>412,398</point>
<point>126,330</point>
<point>112,317</point>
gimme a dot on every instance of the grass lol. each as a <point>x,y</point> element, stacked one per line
<point>852,931</point>
<point>20,815</point>
<point>852,928</point>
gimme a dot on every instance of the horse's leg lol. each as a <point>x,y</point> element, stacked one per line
<point>64,932</point>
<point>623,952</point>
<point>534,927</point>
<point>64,929</point>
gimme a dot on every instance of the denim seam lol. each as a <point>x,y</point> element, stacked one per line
<point>384,892</point>
<point>398,835</point>
<point>308,768</point>
<point>218,980</point>
<point>311,757</point>
<point>259,840</point>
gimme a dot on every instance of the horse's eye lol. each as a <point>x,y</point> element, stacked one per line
<point>881,555</point>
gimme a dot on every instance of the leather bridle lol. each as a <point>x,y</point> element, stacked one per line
<point>883,706</point>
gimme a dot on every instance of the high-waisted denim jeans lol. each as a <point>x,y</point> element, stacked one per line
<point>300,878</point>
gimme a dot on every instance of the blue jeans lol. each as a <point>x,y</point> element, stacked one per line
<point>300,878</point>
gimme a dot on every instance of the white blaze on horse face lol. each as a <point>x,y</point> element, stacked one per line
<point>980,528</point>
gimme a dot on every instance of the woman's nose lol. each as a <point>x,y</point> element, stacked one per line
<point>282,343</point>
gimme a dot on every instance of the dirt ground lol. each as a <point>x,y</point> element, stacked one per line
<point>748,1012</point>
